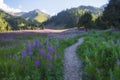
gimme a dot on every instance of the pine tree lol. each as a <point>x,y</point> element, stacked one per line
<point>86,21</point>
<point>111,15</point>
<point>100,24</point>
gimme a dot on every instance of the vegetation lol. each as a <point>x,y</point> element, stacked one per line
<point>4,25</point>
<point>100,55</point>
<point>86,21</point>
<point>106,20</point>
<point>36,15</point>
<point>33,57</point>
<point>70,17</point>
<point>8,22</point>
<point>74,17</point>
<point>100,24</point>
<point>112,13</point>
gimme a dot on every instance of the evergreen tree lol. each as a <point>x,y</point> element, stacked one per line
<point>100,24</point>
<point>86,21</point>
<point>111,15</point>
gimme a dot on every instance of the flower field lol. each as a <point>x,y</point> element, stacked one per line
<point>32,56</point>
<point>40,56</point>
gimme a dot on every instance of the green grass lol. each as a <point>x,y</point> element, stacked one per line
<point>14,66</point>
<point>99,54</point>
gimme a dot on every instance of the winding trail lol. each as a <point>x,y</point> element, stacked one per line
<point>72,63</point>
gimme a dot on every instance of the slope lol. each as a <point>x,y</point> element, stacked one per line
<point>69,18</point>
<point>36,15</point>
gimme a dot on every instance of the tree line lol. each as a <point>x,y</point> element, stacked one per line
<point>109,19</point>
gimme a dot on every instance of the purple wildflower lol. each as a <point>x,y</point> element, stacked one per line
<point>37,63</point>
<point>50,48</point>
<point>23,54</point>
<point>29,53</point>
<point>58,55</point>
<point>42,51</point>
<point>36,43</point>
<point>48,56</point>
<point>29,47</point>
<point>10,56</point>
<point>41,44</point>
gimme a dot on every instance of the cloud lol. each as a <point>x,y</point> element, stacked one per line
<point>20,6</point>
<point>43,10</point>
<point>7,8</point>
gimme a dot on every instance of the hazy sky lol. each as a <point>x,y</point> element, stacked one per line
<point>49,6</point>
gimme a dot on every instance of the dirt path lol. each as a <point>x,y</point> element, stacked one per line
<point>72,63</point>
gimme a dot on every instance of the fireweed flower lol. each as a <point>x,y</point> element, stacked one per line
<point>29,47</point>
<point>48,56</point>
<point>58,55</point>
<point>50,48</point>
<point>41,44</point>
<point>10,56</point>
<point>29,53</point>
<point>36,43</point>
<point>42,51</point>
<point>23,54</point>
<point>37,63</point>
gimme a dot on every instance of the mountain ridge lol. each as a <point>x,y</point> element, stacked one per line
<point>37,15</point>
<point>69,18</point>
<point>9,22</point>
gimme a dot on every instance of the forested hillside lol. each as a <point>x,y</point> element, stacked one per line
<point>70,17</point>
<point>8,22</point>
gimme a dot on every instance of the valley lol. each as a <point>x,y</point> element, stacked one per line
<point>78,42</point>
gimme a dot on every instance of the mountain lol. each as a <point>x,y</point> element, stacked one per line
<point>93,10</point>
<point>36,15</point>
<point>9,22</point>
<point>19,13</point>
<point>69,17</point>
<point>103,6</point>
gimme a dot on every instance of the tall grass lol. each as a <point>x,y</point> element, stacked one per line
<point>100,54</point>
<point>33,58</point>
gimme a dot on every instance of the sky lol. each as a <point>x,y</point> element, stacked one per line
<point>49,6</point>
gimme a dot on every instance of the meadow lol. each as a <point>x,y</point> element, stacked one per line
<point>32,56</point>
<point>100,55</point>
<point>40,56</point>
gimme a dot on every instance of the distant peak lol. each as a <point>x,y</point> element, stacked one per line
<point>37,10</point>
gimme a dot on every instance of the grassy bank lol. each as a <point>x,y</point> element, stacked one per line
<point>100,54</point>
